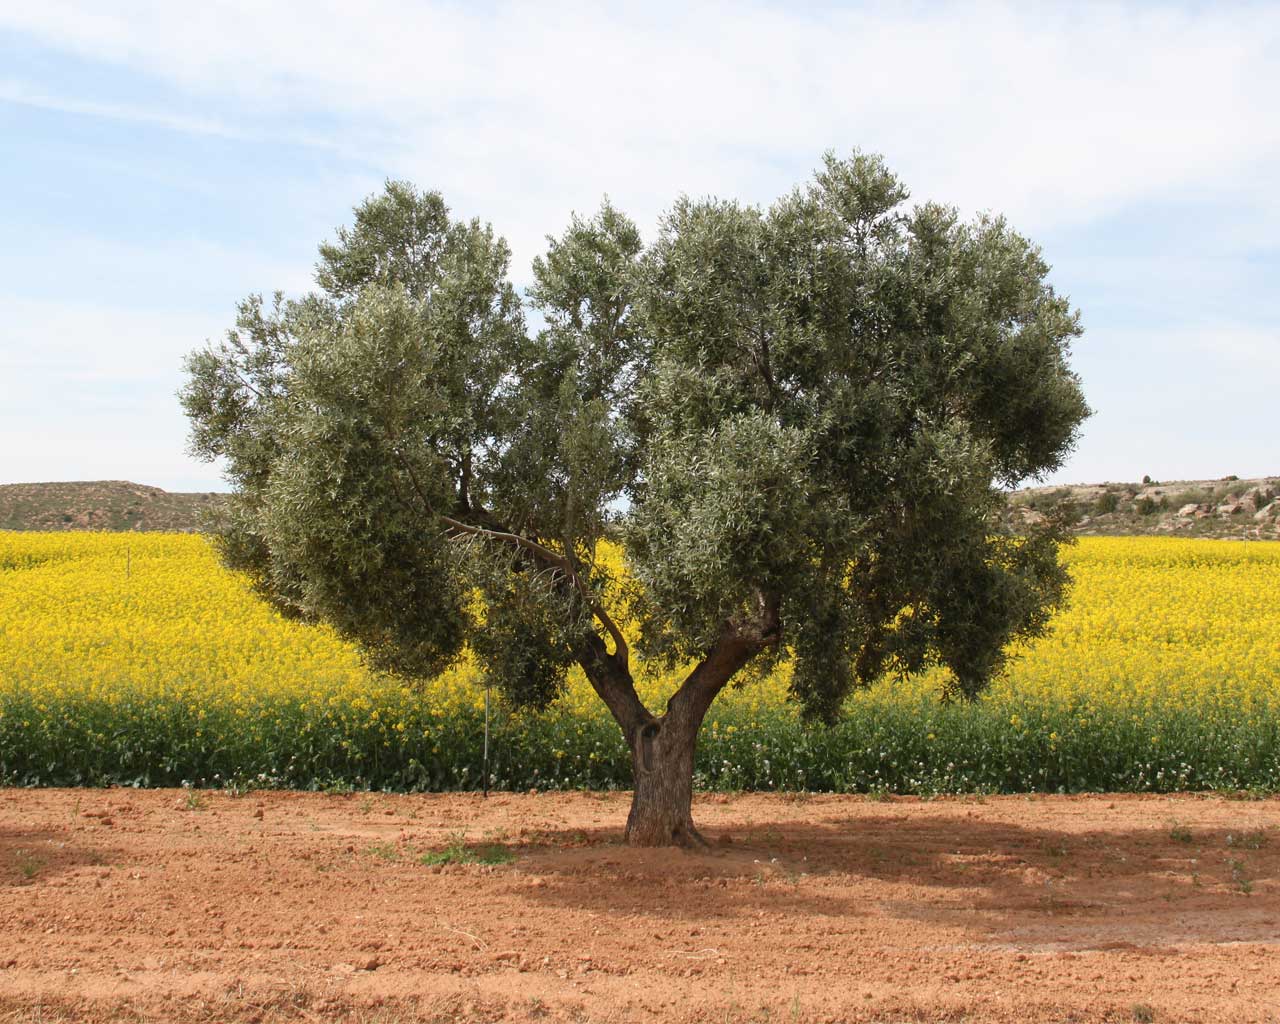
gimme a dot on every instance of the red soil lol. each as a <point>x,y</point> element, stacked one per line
<point>124,905</point>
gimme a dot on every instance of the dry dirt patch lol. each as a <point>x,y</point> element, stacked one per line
<point>160,905</point>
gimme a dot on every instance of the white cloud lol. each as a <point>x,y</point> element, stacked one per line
<point>22,94</point>
<point>1051,113</point>
<point>1058,115</point>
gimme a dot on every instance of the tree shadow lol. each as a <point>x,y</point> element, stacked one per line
<point>995,881</point>
<point>32,855</point>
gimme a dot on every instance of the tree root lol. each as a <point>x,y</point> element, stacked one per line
<point>684,836</point>
<point>691,839</point>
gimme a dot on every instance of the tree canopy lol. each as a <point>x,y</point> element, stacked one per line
<point>797,422</point>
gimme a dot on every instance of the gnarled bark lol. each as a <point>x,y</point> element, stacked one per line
<point>662,748</point>
<point>662,762</point>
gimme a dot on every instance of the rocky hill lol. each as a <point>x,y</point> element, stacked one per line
<point>100,505</point>
<point>1229,508</point>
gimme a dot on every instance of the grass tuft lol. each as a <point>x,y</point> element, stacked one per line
<point>458,852</point>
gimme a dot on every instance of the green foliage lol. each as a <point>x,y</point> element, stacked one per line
<point>1108,501</point>
<point>401,235</point>
<point>881,743</point>
<point>835,385</point>
<point>795,418</point>
<point>28,863</point>
<point>1254,839</point>
<point>458,852</point>
<point>1193,496</point>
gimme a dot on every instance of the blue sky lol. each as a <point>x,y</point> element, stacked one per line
<point>160,161</point>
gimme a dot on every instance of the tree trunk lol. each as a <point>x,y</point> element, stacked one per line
<point>662,747</point>
<point>662,762</point>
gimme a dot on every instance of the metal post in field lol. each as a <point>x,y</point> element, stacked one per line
<point>486,737</point>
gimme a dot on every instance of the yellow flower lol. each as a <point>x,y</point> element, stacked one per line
<point>1154,627</point>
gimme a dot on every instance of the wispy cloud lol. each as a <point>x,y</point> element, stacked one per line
<point>1051,113</point>
<point>1140,137</point>
<point>12,91</point>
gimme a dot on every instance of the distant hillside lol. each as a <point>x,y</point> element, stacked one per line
<point>100,505</point>
<point>1228,508</point>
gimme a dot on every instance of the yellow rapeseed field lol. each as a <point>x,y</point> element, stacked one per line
<point>137,658</point>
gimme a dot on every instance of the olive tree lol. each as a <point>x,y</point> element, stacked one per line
<point>797,421</point>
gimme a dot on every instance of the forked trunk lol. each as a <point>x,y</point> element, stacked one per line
<point>662,748</point>
<point>662,761</point>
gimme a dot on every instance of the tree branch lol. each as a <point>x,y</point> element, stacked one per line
<point>245,383</point>
<point>621,651</point>
<point>741,639</point>
<point>464,482</point>
<point>766,368</point>
<point>612,682</point>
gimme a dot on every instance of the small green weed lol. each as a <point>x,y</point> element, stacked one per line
<point>1143,1014</point>
<point>458,852</point>
<point>1249,794</point>
<point>387,851</point>
<point>1255,839</point>
<point>1238,878</point>
<point>29,864</point>
<point>1179,833</point>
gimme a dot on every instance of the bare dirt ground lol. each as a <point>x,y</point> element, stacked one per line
<point>159,906</point>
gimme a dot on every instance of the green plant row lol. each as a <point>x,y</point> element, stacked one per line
<point>882,745</point>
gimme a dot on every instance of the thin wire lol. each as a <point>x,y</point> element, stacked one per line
<point>486,737</point>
